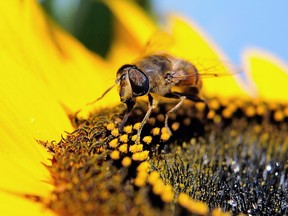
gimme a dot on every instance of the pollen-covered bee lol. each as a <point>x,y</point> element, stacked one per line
<point>158,75</point>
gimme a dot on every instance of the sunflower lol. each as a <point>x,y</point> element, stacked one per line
<point>235,160</point>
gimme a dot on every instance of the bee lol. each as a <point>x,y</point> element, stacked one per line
<point>157,75</point>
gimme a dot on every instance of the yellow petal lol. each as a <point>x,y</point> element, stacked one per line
<point>192,44</point>
<point>74,74</point>
<point>269,75</point>
<point>124,49</point>
<point>133,29</point>
<point>12,205</point>
<point>135,21</point>
<point>28,112</point>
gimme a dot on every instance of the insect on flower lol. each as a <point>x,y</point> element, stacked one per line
<point>158,75</point>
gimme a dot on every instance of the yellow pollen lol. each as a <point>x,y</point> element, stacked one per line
<point>147,139</point>
<point>167,194</point>
<point>183,200</point>
<point>175,126</point>
<point>227,113</point>
<point>164,130</point>
<point>110,126</point>
<point>217,119</point>
<point>158,187</point>
<point>250,111</point>
<point>200,106</point>
<point>153,177</point>
<point>136,148</point>
<point>219,212</point>
<point>113,143</point>
<point>123,138</point>
<point>128,129</point>
<point>126,162</point>
<point>115,155</point>
<point>272,105</point>
<point>134,137</point>
<point>142,174</point>
<point>211,114</point>
<point>165,135</point>
<point>214,104</point>
<point>257,129</point>
<point>136,126</point>
<point>232,107</point>
<point>196,207</point>
<point>144,166</point>
<point>115,132</point>
<point>279,116</point>
<point>140,180</point>
<point>123,148</point>
<point>155,131</point>
<point>260,109</point>
<point>140,156</point>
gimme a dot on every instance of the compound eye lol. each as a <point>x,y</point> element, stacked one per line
<point>139,82</point>
<point>123,76</point>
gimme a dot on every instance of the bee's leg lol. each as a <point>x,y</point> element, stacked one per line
<point>130,104</point>
<point>191,97</point>
<point>182,97</point>
<point>152,104</point>
<point>176,107</point>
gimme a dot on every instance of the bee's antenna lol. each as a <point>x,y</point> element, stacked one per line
<point>107,90</point>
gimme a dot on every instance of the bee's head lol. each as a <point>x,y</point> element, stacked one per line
<point>132,81</point>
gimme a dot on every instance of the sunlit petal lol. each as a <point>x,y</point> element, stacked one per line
<point>15,206</point>
<point>66,66</point>
<point>269,75</point>
<point>29,112</point>
<point>133,29</point>
<point>139,26</point>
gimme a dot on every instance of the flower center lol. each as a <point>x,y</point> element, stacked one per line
<point>235,158</point>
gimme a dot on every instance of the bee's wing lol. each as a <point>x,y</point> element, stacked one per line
<point>163,43</point>
<point>160,42</point>
<point>207,66</point>
<point>212,68</point>
<point>204,75</point>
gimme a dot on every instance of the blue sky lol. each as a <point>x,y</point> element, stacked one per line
<point>237,25</point>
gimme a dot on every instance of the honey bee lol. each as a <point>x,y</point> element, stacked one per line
<point>157,75</point>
